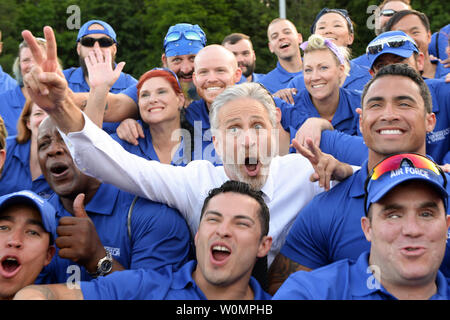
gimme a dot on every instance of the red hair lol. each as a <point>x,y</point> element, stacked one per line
<point>169,77</point>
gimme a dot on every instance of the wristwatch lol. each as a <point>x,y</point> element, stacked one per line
<point>104,266</point>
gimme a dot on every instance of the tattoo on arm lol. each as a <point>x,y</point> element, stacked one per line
<point>280,270</point>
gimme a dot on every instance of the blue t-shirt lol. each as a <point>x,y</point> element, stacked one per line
<point>356,79</point>
<point>166,284</point>
<point>328,228</point>
<point>345,118</point>
<point>6,81</point>
<point>16,174</point>
<point>146,150</point>
<point>278,79</point>
<point>344,280</point>
<point>77,83</point>
<point>159,234</point>
<point>11,105</point>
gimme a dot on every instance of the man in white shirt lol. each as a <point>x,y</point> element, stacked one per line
<point>243,123</point>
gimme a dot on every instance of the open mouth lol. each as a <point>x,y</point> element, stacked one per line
<point>284,45</point>
<point>58,169</point>
<point>220,254</point>
<point>252,166</point>
<point>10,266</point>
<point>155,109</point>
<point>390,132</point>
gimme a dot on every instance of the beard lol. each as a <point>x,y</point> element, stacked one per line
<point>85,69</point>
<point>249,69</point>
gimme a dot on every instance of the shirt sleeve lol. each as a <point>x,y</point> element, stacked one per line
<point>306,242</point>
<point>96,154</point>
<point>131,91</point>
<point>159,237</point>
<point>344,147</point>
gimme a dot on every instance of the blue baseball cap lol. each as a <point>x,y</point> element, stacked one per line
<point>405,167</point>
<point>395,42</point>
<point>107,29</point>
<point>184,38</point>
<point>48,213</point>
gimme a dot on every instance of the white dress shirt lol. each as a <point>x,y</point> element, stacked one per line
<point>286,191</point>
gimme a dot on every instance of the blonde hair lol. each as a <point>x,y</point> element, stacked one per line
<point>3,134</point>
<point>23,132</point>
<point>317,42</point>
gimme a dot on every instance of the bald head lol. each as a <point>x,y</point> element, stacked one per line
<point>215,68</point>
<point>219,53</point>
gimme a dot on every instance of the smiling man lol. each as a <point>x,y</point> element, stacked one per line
<point>27,228</point>
<point>284,42</point>
<point>232,234</point>
<point>406,223</point>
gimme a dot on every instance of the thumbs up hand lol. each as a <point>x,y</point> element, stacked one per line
<point>78,239</point>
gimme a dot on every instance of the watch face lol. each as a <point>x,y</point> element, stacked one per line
<point>106,266</point>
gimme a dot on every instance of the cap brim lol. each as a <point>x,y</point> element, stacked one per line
<point>405,53</point>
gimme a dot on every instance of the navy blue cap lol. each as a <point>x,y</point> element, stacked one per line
<point>184,38</point>
<point>107,30</point>
<point>48,213</point>
<point>342,12</point>
<point>395,42</point>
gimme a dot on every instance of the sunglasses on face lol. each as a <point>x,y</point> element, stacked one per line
<point>395,162</point>
<point>103,42</point>
<point>393,42</point>
<point>387,12</point>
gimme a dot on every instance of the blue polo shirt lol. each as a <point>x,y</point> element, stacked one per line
<point>344,280</point>
<point>345,118</point>
<point>146,150</point>
<point>438,141</point>
<point>77,83</point>
<point>165,284</point>
<point>356,79</point>
<point>344,147</point>
<point>6,81</point>
<point>362,60</point>
<point>441,71</point>
<point>439,41</point>
<point>16,174</point>
<point>159,234</point>
<point>328,228</point>
<point>11,105</point>
<point>278,79</point>
<point>256,77</point>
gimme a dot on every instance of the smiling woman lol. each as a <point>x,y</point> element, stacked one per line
<point>21,170</point>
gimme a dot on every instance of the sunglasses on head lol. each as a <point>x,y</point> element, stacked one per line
<point>393,42</point>
<point>188,34</point>
<point>396,161</point>
<point>103,42</point>
<point>387,12</point>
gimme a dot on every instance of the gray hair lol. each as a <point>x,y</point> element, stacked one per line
<point>249,90</point>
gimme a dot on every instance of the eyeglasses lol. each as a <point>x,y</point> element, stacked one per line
<point>171,72</point>
<point>393,42</point>
<point>188,34</point>
<point>103,42</point>
<point>387,12</point>
<point>413,160</point>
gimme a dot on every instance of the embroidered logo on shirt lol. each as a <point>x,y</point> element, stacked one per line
<point>436,136</point>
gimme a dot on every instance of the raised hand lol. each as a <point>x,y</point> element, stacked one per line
<point>100,69</point>
<point>326,167</point>
<point>45,82</point>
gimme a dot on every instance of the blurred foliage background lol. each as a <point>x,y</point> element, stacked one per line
<point>142,24</point>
